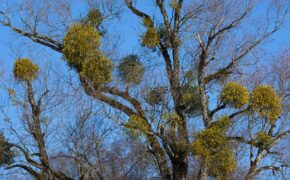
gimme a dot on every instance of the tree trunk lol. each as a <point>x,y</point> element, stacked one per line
<point>254,164</point>
<point>248,177</point>
<point>180,167</point>
<point>251,171</point>
<point>202,174</point>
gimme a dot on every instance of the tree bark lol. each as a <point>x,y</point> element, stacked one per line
<point>202,174</point>
<point>254,164</point>
<point>180,167</point>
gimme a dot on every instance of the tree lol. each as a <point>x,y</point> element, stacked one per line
<point>82,149</point>
<point>34,121</point>
<point>201,49</point>
<point>264,138</point>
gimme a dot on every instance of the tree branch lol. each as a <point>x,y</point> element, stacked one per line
<point>34,36</point>
<point>26,168</point>
<point>233,63</point>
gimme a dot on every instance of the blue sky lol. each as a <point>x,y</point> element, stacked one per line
<point>12,45</point>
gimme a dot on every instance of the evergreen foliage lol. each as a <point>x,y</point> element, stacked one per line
<point>266,102</point>
<point>131,70</point>
<point>81,50</point>
<point>94,18</point>
<point>151,37</point>
<point>212,147</point>
<point>264,140</point>
<point>235,95</point>
<point>137,123</point>
<point>6,154</point>
<point>190,99</point>
<point>25,70</point>
<point>81,43</point>
<point>173,4</point>
<point>155,96</point>
<point>98,70</point>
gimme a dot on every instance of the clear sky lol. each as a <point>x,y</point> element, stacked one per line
<point>13,46</point>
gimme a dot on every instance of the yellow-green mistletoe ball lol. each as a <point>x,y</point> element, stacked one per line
<point>94,17</point>
<point>151,37</point>
<point>98,70</point>
<point>266,102</point>
<point>235,95</point>
<point>263,139</point>
<point>190,100</point>
<point>212,147</point>
<point>25,70</point>
<point>80,43</point>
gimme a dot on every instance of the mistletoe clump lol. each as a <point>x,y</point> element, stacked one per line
<point>81,43</point>
<point>97,70</point>
<point>173,4</point>
<point>164,36</point>
<point>266,102</point>
<point>264,140</point>
<point>131,70</point>
<point>25,70</point>
<point>94,18</point>
<point>156,95</point>
<point>190,100</point>
<point>137,123</point>
<point>235,95</point>
<point>6,155</point>
<point>151,37</point>
<point>212,148</point>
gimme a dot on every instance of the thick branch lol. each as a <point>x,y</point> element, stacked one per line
<point>111,102</point>
<point>160,4</point>
<point>159,154</point>
<point>27,156</point>
<point>136,11</point>
<point>26,168</point>
<point>239,113</point>
<point>220,107</point>
<point>126,96</point>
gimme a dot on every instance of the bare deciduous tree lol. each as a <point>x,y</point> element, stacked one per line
<point>200,45</point>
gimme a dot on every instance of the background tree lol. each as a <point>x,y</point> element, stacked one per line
<point>84,146</point>
<point>35,158</point>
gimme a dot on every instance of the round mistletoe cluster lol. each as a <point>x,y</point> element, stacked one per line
<point>97,70</point>
<point>81,50</point>
<point>213,148</point>
<point>266,102</point>
<point>263,100</point>
<point>25,70</point>
<point>190,99</point>
<point>131,70</point>
<point>80,43</point>
<point>155,96</point>
<point>151,37</point>
<point>235,95</point>
<point>94,18</point>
